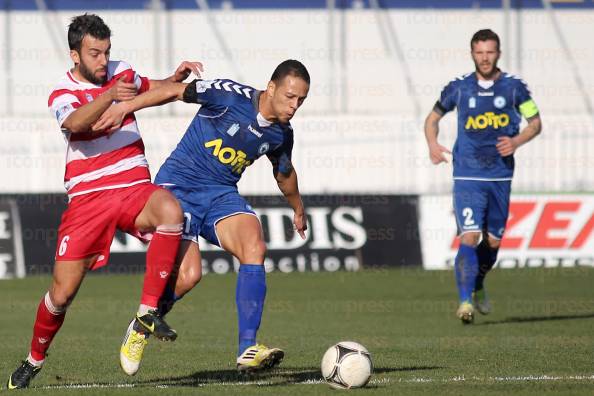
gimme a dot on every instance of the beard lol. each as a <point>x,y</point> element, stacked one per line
<point>489,73</point>
<point>89,75</point>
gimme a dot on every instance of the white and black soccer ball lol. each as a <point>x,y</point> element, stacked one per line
<point>347,365</point>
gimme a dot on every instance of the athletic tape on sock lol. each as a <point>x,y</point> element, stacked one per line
<point>51,307</point>
<point>35,362</point>
<point>170,229</point>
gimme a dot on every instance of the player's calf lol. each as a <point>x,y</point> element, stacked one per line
<point>48,321</point>
<point>160,264</point>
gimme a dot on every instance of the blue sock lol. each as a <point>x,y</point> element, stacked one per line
<point>167,300</point>
<point>466,269</point>
<point>487,257</point>
<point>249,297</point>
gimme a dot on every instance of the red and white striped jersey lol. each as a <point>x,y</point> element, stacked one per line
<point>96,161</point>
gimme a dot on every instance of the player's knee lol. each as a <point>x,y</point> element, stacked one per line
<point>470,238</point>
<point>256,252</point>
<point>493,243</point>
<point>58,298</point>
<point>170,211</point>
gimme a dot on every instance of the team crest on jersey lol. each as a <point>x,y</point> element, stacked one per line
<point>89,97</point>
<point>263,149</point>
<point>472,103</point>
<point>499,102</point>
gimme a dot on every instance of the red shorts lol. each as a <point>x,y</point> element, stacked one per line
<point>90,222</point>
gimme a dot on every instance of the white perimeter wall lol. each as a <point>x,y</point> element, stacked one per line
<point>360,137</point>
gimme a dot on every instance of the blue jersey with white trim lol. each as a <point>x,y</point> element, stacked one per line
<point>226,136</point>
<point>486,111</point>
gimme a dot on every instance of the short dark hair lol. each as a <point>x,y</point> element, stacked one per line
<point>484,35</point>
<point>290,67</point>
<point>82,25</point>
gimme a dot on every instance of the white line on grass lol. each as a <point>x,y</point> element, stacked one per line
<point>375,381</point>
<point>523,378</point>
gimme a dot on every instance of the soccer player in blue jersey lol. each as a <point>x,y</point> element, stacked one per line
<point>235,125</point>
<point>490,106</point>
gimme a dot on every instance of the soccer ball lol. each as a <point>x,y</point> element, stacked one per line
<point>347,365</point>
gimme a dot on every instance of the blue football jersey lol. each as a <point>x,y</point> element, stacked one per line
<point>225,137</point>
<point>484,114</point>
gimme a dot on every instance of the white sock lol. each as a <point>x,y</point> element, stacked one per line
<point>143,309</point>
<point>36,363</point>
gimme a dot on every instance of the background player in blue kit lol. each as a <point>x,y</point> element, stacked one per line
<point>490,106</point>
<point>236,124</point>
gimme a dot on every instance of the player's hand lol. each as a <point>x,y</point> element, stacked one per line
<point>506,145</point>
<point>122,91</point>
<point>300,223</point>
<point>111,119</point>
<point>185,68</point>
<point>436,153</point>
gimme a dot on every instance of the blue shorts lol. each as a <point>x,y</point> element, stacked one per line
<point>481,206</point>
<point>205,206</point>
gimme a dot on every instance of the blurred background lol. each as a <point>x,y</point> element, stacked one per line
<point>377,68</point>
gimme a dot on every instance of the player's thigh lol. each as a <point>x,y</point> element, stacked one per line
<point>499,199</point>
<point>160,208</point>
<point>241,235</point>
<point>232,224</point>
<point>189,272</point>
<point>470,206</point>
<point>67,278</point>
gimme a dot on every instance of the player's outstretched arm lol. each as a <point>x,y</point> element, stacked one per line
<point>431,131</point>
<point>83,118</point>
<point>182,72</point>
<point>288,185</point>
<point>112,117</point>
<point>508,145</point>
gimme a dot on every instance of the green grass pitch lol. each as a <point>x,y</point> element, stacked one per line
<point>538,340</point>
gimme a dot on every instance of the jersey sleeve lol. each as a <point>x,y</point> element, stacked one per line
<point>523,101</point>
<point>123,69</point>
<point>62,103</point>
<point>281,156</point>
<point>216,92</point>
<point>448,98</point>
<point>142,83</point>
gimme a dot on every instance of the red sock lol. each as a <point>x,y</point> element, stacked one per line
<point>160,259</point>
<point>47,323</point>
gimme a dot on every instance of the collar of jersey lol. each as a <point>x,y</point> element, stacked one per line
<point>71,76</point>
<point>501,74</point>
<point>262,122</point>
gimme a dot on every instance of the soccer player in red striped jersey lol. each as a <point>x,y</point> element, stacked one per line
<point>108,184</point>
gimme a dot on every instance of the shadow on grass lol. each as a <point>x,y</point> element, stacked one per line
<point>230,377</point>
<point>278,377</point>
<point>530,319</point>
